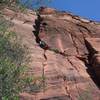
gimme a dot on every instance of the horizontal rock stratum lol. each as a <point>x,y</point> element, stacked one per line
<point>67,64</point>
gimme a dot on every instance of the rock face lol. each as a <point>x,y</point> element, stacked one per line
<point>73,50</point>
<point>45,10</point>
<point>94,50</point>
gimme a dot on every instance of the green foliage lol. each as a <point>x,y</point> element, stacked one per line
<point>13,73</point>
<point>9,1</point>
<point>4,24</point>
<point>22,5</point>
<point>54,50</point>
<point>36,3</point>
<point>34,84</point>
<point>22,8</point>
<point>27,3</point>
<point>85,95</point>
<point>12,69</point>
<point>10,76</point>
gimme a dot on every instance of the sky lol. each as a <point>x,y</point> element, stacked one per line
<point>85,8</point>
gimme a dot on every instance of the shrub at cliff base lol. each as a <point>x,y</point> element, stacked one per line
<point>12,67</point>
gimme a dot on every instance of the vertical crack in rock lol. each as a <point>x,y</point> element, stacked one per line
<point>43,70</point>
<point>42,44</point>
<point>39,27</point>
<point>93,58</point>
<point>66,88</point>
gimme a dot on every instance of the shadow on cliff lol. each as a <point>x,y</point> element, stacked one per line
<point>64,97</point>
<point>91,71</point>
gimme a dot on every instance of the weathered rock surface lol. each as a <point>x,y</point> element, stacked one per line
<point>45,10</point>
<point>67,76</point>
<point>94,50</point>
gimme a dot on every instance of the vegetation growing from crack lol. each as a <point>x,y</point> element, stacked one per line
<point>86,95</point>
<point>34,84</point>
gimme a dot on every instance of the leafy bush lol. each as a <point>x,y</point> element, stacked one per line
<point>12,69</point>
<point>55,50</point>
<point>13,73</point>
<point>10,79</point>
<point>8,1</point>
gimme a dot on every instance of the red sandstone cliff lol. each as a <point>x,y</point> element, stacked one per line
<point>71,64</point>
